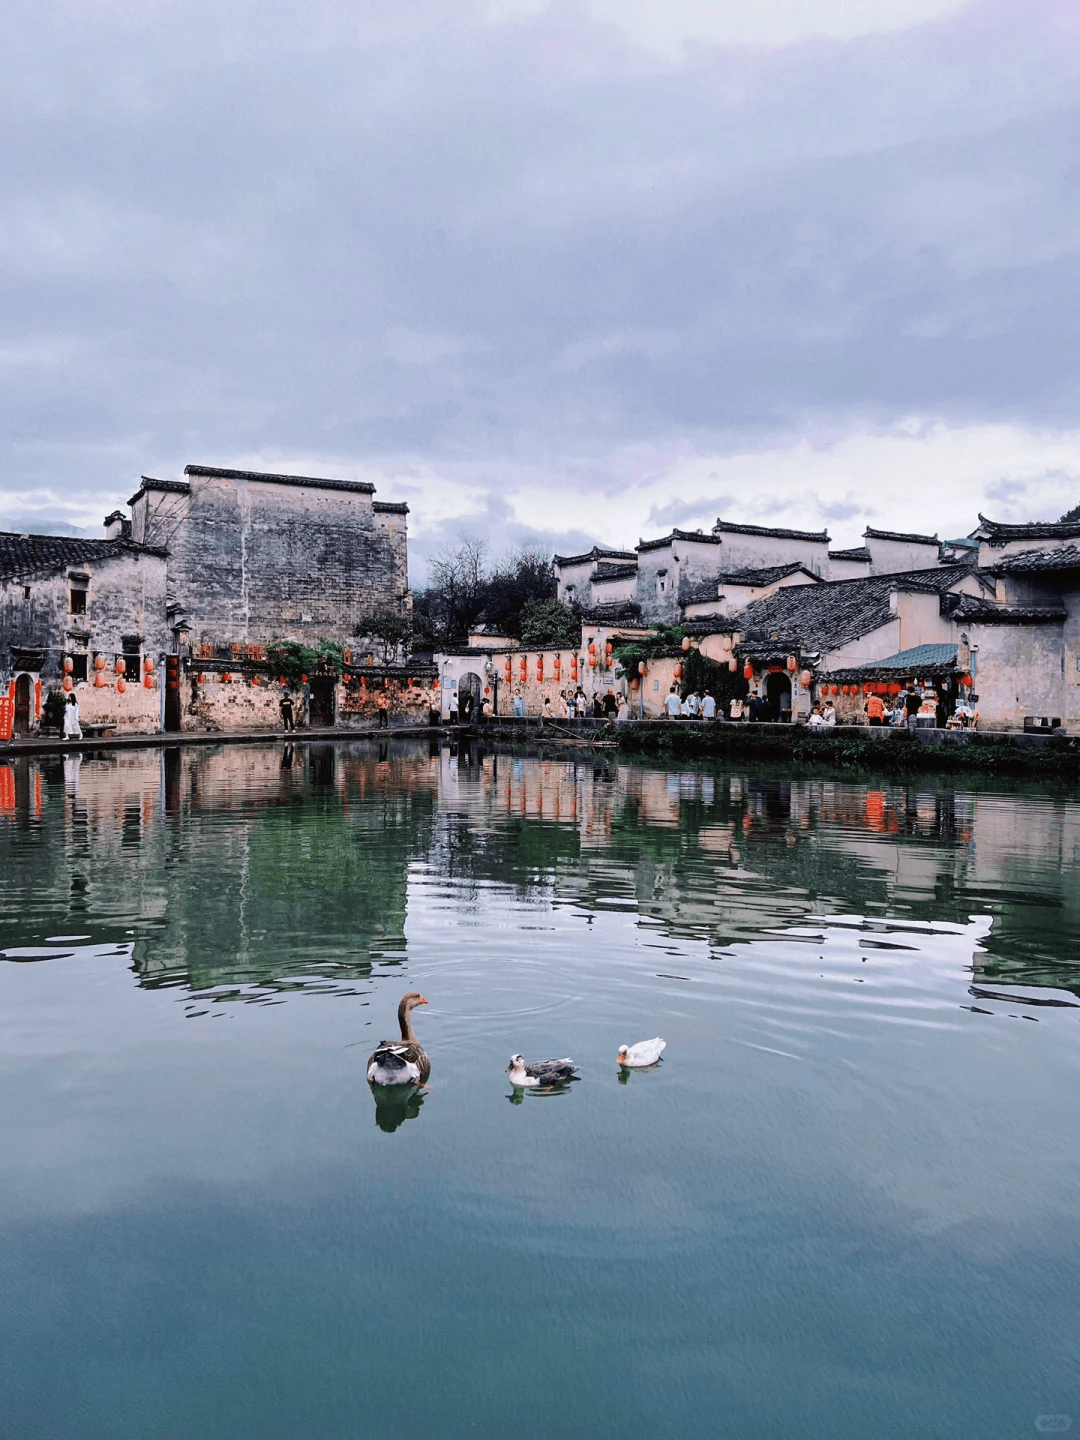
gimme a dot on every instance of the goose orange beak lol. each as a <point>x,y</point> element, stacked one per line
<point>421,1001</point>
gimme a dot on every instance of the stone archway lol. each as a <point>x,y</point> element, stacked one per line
<point>472,686</point>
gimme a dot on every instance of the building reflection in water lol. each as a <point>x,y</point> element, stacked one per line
<point>245,871</point>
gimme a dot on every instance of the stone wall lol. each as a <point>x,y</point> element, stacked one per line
<point>259,558</point>
<point>212,702</point>
<point>663,569</point>
<point>757,551</point>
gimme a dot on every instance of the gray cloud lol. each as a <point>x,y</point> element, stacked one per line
<point>232,231</point>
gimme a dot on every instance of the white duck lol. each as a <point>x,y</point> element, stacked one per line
<point>645,1052</point>
<point>540,1072</point>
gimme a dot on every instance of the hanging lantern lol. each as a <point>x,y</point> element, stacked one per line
<point>836,689</point>
<point>593,661</point>
<point>227,677</point>
<point>685,643</point>
<point>748,671</point>
<point>67,682</point>
<point>966,680</point>
<point>609,649</point>
<point>678,672</point>
<point>148,665</point>
<point>791,663</point>
<point>592,647</point>
<point>894,689</point>
<point>148,681</point>
<point>642,668</point>
<point>635,684</point>
<point>845,689</point>
<point>69,665</point>
<point>805,677</point>
<point>733,665</point>
<point>121,685</point>
<point>558,667</point>
<point>121,665</point>
<point>303,679</point>
<point>99,662</point>
<point>868,689</point>
<point>539,667</point>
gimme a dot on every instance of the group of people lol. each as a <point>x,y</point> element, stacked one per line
<point>918,709</point>
<point>695,705</point>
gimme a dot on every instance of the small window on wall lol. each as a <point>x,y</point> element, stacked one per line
<point>79,669</point>
<point>78,600</point>
<point>132,654</point>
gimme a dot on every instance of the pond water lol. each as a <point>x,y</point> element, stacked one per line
<point>845,1204</point>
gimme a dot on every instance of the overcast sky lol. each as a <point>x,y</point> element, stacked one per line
<point>563,272</point>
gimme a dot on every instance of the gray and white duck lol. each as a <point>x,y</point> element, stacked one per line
<point>540,1072</point>
<point>404,1061</point>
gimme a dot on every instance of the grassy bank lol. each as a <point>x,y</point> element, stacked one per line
<point>889,752</point>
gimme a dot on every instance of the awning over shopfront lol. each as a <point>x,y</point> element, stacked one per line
<point>931,662</point>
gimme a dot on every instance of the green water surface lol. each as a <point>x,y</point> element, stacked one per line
<point>845,1205</point>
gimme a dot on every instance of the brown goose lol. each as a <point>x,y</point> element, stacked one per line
<point>404,1061</point>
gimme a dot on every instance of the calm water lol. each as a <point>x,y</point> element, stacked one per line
<point>844,1206</point>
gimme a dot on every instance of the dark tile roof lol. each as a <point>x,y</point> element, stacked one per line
<point>697,536</point>
<point>819,537</point>
<point>857,552</point>
<point>1065,557</point>
<point>871,534</point>
<point>918,661</point>
<point>364,487</point>
<point>1039,530</point>
<point>390,507</point>
<point>147,482</point>
<point>30,557</point>
<point>605,571</point>
<point>986,612</point>
<point>598,552</point>
<point>705,590</point>
<point>826,616</point>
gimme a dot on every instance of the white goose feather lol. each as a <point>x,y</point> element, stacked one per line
<point>645,1052</point>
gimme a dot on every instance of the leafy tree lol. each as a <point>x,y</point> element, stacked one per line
<point>390,631</point>
<point>661,640</point>
<point>1070,516</point>
<point>294,661</point>
<point>550,622</point>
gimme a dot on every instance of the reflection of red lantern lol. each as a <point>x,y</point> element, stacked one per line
<point>121,685</point>
<point>254,679</point>
<point>69,665</point>
<point>148,681</point>
<point>148,665</point>
<point>805,678</point>
<point>609,649</point>
<point>68,682</point>
<point>227,677</point>
<point>99,662</point>
<point>748,672</point>
<point>121,665</point>
<point>99,681</point>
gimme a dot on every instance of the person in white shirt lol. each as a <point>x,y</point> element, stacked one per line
<point>828,714</point>
<point>72,728</point>
<point>736,708</point>
<point>708,706</point>
<point>817,720</point>
<point>694,703</point>
<point>673,704</point>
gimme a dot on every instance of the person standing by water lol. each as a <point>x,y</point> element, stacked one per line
<point>875,710</point>
<point>453,707</point>
<point>72,728</point>
<point>519,705</point>
<point>673,705</point>
<point>382,701</point>
<point>736,708</point>
<point>708,706</point>
<point>285,705</point>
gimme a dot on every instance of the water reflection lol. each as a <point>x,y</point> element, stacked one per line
<point>228,862</point>
<point>394,1104</point>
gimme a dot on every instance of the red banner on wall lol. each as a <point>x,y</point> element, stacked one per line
<point>7,717</point>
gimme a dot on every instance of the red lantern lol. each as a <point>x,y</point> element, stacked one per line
<point>642,668</point>
<point>99,681</point>
<point>894,689</point>
<point>573,667</point>
<point>635,683</point>
<point>148,665</point>
<point>868,689</point>
<point>303,679</point>
<point>148,681</point>
<point>966,680</point>
<point>845,689</point>
<point>609,649</point>
<point>685,643</point>
<point>805,677</point>
<point>254,679</point>
<point>791,663</point>
<point>69,665</point>
<point>539,667</point>
<point>99,662</point>
<point>558,667</point>
<point>748,672</point>
<point>592,647</point>
<point>68,683</point>
<point>227,677</point>
<point>121,666</point>
<point>678,672</point>
<point>121,684</point>
<point>836,689</point>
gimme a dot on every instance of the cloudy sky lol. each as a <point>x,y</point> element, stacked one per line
<point>568,271</point>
